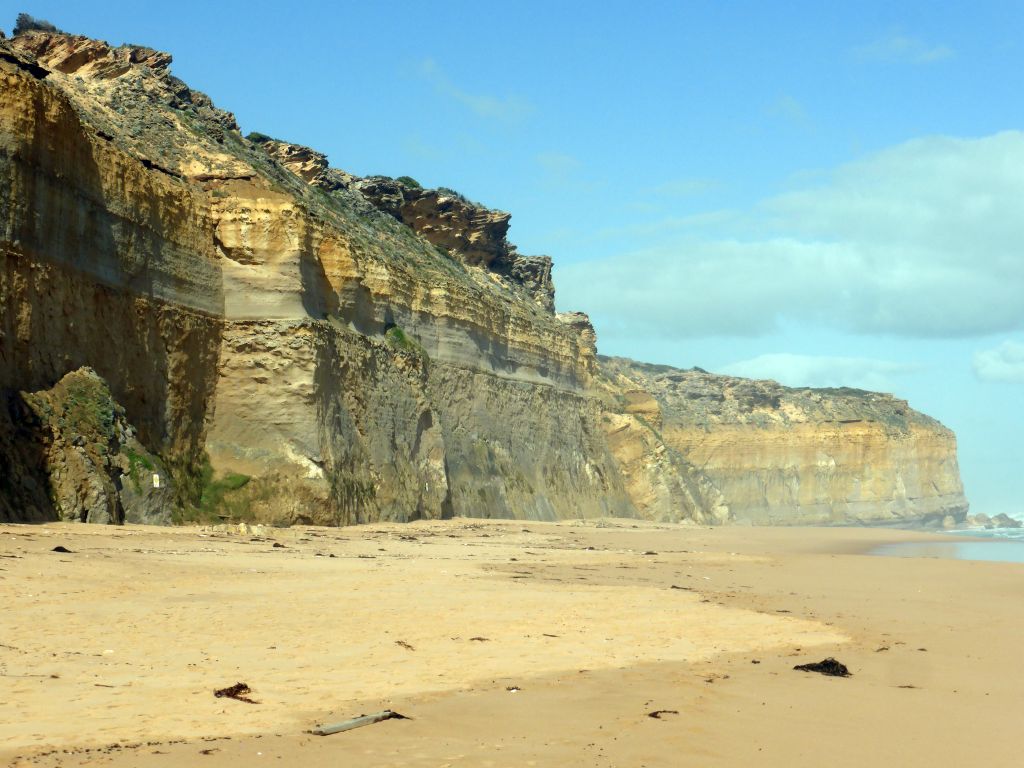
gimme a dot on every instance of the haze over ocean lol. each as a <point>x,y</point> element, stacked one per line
<point>816,194</point>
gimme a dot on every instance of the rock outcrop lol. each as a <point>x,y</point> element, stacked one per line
<point>294,343</point>
<point>89,465</point>
<point>469,232</point>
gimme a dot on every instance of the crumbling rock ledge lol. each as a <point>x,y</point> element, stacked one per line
<point>469,232</point>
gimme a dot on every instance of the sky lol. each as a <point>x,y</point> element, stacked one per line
<point>819,193</point>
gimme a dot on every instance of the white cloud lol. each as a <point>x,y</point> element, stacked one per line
<point>901,48</point>
<point>1004,363</point>
<point>683,187</point>
<point>566,174</point>
<point>816,371</point>
<point>557,163</point>
<point>506,108</point>
<point>922,240</point>
<point>789,109</point>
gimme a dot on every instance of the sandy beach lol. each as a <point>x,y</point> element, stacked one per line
<point>505,643</point>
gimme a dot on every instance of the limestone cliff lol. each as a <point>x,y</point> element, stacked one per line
<point>295,343</point>
<point>295,335</point>
<point>767,454</point>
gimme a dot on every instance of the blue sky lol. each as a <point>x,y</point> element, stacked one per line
<point>817,193</point>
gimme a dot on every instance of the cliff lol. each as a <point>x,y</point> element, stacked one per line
<point>770,454</point>
<point>294,343</point>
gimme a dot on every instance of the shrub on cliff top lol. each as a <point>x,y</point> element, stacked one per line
<point>449,192</point>
<point>409,181</point>
<point>25,23</point>
<point>259,138</point>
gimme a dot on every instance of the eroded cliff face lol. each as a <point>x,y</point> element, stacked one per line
<point>341,350</point>
<point>467,231</point>
<point>771,454</point>
<point>295,335</point>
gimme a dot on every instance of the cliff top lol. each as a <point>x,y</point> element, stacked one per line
<point>695,396</point>
<point>130,98</point>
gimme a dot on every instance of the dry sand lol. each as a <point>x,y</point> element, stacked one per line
<point>109,655</point>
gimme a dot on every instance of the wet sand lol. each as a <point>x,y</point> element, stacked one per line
<point>109,654</point>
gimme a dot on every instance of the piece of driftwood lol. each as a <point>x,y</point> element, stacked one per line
<point>828,666</point>
<point>357,722</point>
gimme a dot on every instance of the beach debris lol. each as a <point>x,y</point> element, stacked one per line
<point>404,645</point>
<point>238,692</point>
<point>513,688</point>
<point>278,545</point>
<point>827,666</point>
<point>908,686</point>
<point>60,548</point>
<point>656,714</point>
<point>755,661</point>
<point>649,552</point>
<point>357,722</point>
<point>881,648</point>
<point>480,639</point>
<point>676,586</point>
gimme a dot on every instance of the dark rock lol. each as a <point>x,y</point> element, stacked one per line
<point>827,666</point>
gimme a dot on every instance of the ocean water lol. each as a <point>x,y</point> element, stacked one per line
<point>1003,545</point>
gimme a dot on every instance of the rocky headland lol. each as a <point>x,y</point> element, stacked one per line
<point>281,341</point>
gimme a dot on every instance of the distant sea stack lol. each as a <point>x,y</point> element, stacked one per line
<point>286,342</point>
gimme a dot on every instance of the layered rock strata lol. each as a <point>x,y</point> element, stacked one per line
<point>772,454</point>
<point>468,231</point>
<point>298,344</point>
